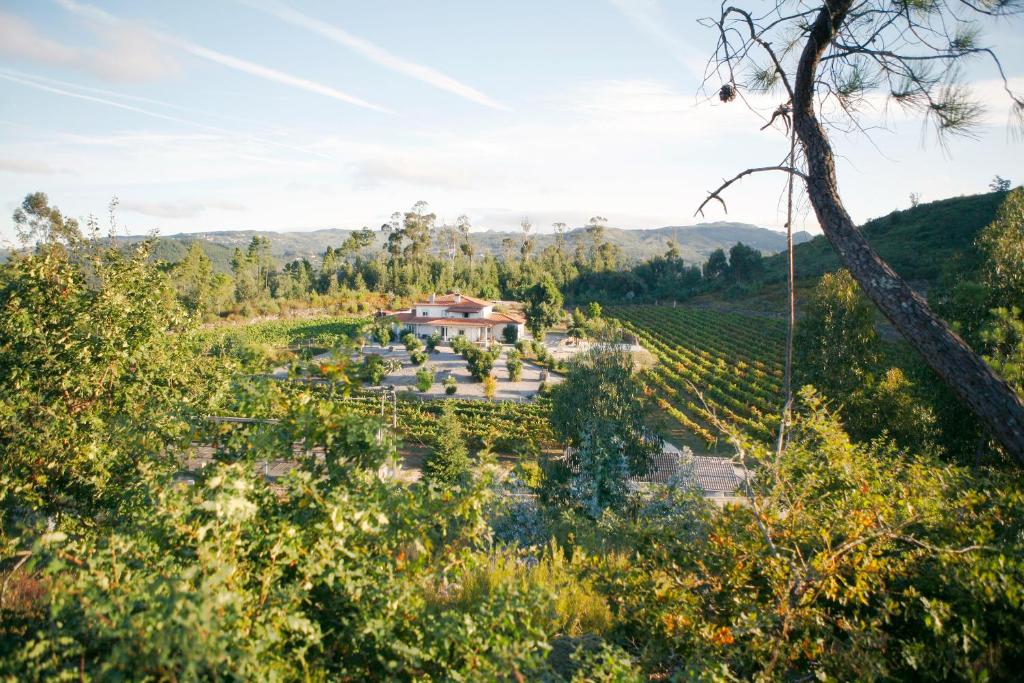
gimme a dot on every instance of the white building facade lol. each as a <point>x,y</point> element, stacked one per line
<point>455,315</point>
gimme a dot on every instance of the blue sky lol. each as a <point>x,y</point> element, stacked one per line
<point>231,114</point>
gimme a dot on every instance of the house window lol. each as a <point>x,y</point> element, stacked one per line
<point>465,315</point>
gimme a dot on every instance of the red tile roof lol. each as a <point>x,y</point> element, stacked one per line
<point>411,318</point>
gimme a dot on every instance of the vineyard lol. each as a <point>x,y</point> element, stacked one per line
<point>710,362</point>
<point>322,331</point>
<point>504,426</point>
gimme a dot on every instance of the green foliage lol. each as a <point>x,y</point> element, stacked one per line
<point>460,344</point>
<point>432,341</point>
<point>382,328</point>
<point>745,263</point>
<point>479,362</point>
<point>514,365</point>
<point>510,333</point>
<point>418,357</point>
<point>1002,246</point>
<point>448,463</point>
<point>424,378</point>
<point>97,381</point>
<point>600,412</point>
<point>836,343</point>
<point>543,307</point>
<point>1004,341</point>
<point>375,368</point>
<point>451,385</point>
<point>851,561</point>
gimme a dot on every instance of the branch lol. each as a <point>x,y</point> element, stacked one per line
<point>716,195</point>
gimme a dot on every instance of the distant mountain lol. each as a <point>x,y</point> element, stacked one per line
<point>695,242</point>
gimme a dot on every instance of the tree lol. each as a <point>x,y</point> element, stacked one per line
<point>510,333</point>
<point>825,58</point>
<point>745,263</point>
<point>1000,184</point>
<point>717,266</point>
<point>448,462</point>
<point>600,412</point>
<point>96,380</point>
<point>36,222</point>
<point>836,342</point>
<point>543,307</point>
<point>915,199</point>
<point>1002,245</point>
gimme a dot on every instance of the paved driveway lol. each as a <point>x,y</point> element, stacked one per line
<point>446,363</point>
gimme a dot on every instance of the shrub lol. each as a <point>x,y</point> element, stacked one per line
<point>480,363</point>
<point>515,367</point>
<point>375,369</point>
<point>411,341</point>
<point>418,357</point>
<point>510,333</point>
<point>490,387</point>
<point>460,344</point>
<point>450,385</point>
<point>432,341</point>
<point>424,378</point>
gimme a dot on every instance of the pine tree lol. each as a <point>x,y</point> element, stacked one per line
<point>448,462</point>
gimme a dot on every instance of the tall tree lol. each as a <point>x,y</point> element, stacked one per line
<point>825,57</point>
<point>543,307</point>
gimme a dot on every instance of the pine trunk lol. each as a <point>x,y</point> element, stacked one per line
<point>987,395</point>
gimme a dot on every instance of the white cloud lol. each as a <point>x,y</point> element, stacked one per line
<point>372,173</point>
<point>127,54</point>
<point>179,209</point>
<point>230,61</point>
<point>24,166</point>
<point>373,52</point>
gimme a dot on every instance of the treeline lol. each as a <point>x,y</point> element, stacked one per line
<point>420,256</point>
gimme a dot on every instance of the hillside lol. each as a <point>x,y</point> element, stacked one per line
<point>919,243</point>
<point>695,242</point>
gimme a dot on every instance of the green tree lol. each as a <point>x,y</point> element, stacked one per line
<point>600,412</point>
<point>745,263</point>
<point>97,380</point>
<point>543,307</point>
<point>717,266</point>
<point>448,463</point>
<point>836,344</point>
<point>1002,247</point>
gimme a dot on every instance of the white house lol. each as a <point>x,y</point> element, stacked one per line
<point>453,315</point>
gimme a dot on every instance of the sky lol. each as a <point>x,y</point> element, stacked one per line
<point>298,115</point>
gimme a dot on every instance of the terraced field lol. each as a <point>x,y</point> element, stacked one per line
<point>733,361</point>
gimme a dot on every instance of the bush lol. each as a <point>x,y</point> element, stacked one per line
<point>432,341</point>
<point>450,385</point>
<point>510,333</point>
<point>424,378</point>
<point>375,369</point>
<point>515,366</point>
<point>460,344</point>
<point>480,363</point>
<point>411,341</point>
<point>490,387</point>
<point>418,357</point>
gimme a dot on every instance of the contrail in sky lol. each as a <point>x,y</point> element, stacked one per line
<point>232,62</point>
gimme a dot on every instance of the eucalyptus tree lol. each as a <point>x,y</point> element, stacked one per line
<point>825,60</point>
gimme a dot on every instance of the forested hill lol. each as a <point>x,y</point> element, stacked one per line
<point>695,242</point>
<point>919,243</point>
